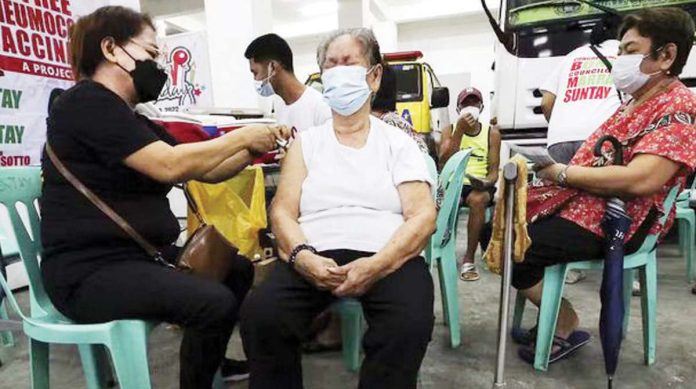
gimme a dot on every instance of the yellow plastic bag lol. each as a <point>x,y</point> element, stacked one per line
<point>237,207</point>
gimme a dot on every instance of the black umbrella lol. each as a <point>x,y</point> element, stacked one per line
<point>615,225</point>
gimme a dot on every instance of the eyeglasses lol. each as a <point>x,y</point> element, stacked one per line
<point>153,51</point>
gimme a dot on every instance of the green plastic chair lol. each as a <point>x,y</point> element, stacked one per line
<point>644,260</point>
<point>351,312</point>
<point>8,248</point>
<point>686,217</point>
<point>352,329</point>
<point>441,252</point>
<point>126,340</point>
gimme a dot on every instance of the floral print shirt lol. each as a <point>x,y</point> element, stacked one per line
<point>394,119</point>
<point>662,126</point>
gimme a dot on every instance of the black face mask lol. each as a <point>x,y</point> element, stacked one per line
<point>148,78</point>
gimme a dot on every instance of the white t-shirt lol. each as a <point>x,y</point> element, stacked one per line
<point>350,198</point>
<point>585,93</point>
<point>310,110</point>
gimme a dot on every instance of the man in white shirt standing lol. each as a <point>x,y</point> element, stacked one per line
<point>271,63</point>
<point>299,108</point>
<point>577,98</point>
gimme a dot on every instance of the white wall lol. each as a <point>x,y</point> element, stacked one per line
<point>304,50</point>
<point>454,47</point>
<point>458,48</point>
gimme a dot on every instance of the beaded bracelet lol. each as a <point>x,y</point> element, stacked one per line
<point>302,246</point>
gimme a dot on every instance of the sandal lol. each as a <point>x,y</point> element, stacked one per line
<point>524,337</point>
<point>468,272</point>
<point>566,347</point>
<point>316,347</point>
<point>575,276</point>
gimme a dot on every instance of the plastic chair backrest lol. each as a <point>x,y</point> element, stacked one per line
<point>452,181</point>
<point>432,169</point>
<point>23,185</point>
<point>8,243</point>
<point>650,242</point>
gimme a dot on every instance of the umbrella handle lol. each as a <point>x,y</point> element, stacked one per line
<point>618,148</point>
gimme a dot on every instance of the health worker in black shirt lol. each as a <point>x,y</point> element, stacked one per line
<point>92,270</point>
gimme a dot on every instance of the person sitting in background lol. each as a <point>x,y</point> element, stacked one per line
<point>655,127</point>
<point>481,171</point>
<point>575,112</point>
<point>92,271</point>
<point>384,107</point>
<point>353,213</point>
<point>271,62</point>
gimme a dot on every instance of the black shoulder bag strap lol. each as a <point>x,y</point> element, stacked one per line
<point>606,63</point>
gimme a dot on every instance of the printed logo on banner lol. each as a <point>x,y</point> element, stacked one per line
<point>181,87</point>
<point>186,65</point>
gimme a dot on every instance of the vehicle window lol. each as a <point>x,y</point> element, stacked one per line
<point>408,82</point>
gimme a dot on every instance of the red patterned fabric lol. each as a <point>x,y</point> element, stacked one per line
<point>663,126</point>
<point>184,132</point>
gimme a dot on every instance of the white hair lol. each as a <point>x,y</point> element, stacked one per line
<point>364,36</point>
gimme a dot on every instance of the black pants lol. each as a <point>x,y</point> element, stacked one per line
<point>143,289</point>
<point>556,240</point>
<point>276,316</point>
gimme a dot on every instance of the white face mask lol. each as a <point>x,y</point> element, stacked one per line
<point>346,89</point>
<point>264,87</point>
<point>628,77</point>
<point>474,111</point>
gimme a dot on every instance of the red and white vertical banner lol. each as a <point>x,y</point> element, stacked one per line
<point>186,60</point>
<point>34,59</point>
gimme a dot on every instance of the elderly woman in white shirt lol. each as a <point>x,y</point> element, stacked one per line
<point>352,214</point>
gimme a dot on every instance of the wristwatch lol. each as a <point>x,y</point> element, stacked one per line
<point>562,177</point>
<point>300,247</point>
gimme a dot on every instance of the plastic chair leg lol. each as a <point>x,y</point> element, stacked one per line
<point>449,278</point>
<point>686,239</point>
<point>38,356</point>
<point>443,291</point>
<point>520,302</point>
<point>648,281</point>
<point>552,294</point>
<point>95,364</point>
<point>129,352</point>
<point>218,383</point>
<point>628,277</point>
<point>681,224</point>
<point>351,332</point>
<point>6,337</point>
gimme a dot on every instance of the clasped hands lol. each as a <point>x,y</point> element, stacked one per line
<point>352,279</point>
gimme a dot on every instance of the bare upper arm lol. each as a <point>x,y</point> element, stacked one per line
<point>154,161</point>
<point>649,173</point>
<point>292,174</point>
<point>445,144</point>
<point>494,148</point>
<point>548,99</point>
<point>416,198</point>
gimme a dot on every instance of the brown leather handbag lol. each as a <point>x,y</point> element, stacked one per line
<point>206,252</point>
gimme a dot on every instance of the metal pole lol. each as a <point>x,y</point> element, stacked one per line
<point>510,175</point>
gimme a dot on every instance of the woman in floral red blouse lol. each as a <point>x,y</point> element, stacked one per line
<point>655,126</point>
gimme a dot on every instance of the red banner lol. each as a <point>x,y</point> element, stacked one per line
<point>35,68</point>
